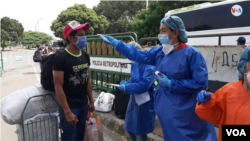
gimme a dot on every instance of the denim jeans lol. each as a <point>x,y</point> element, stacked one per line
<point>74,132</point>
<point>134,137</point>
<point>41,66</point>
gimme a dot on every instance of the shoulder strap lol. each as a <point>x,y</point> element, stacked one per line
<point>64,52</point>
<point>83,53</point>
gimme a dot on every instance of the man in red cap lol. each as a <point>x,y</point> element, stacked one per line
<point>72,82</point>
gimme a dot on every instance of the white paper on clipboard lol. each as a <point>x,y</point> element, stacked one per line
<point>142,98</point>
<point>117,85</point>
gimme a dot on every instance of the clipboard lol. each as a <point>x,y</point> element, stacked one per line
<point>112,84</point>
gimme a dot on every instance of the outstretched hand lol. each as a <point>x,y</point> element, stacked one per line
<point>112,41</point>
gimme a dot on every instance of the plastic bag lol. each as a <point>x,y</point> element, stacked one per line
<point>93,131</point>
<point>104,102</point>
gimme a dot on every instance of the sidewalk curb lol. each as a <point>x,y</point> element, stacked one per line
<point>117,125</point>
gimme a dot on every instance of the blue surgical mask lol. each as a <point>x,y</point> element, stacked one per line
<point>81,43</point>
<point>163,38</point>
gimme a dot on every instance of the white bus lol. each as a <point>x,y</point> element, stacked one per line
<point>224,18</point>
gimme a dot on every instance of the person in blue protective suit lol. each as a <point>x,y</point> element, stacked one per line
<point>184,74</point>
<point>140,119</point>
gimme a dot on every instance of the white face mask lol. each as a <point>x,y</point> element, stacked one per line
<point>167,48</point>
<point>248,76</point>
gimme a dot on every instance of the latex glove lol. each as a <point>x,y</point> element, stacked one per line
<point>121,88</point>
<point>123,82</point>
<point>164,82</point>
<point>203,96</point>
<point>112,41</point>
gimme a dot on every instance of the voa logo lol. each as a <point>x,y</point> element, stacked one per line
<point>236,10</point>
<point>236,132</point>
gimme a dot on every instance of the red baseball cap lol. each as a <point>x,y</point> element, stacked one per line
<point>74,25</point>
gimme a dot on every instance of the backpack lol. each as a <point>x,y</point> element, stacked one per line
<point>121,102</point>
<point>47,80</point>
<point>37,57</point>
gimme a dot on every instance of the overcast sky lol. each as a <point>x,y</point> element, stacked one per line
<point>28,12</point>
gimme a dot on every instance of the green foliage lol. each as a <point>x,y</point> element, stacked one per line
<point>147,22</point>
<point>119,13</point>
<point>5,36</point>
<point>13,28</point>
<point>36,38</point>
<point>82,14</point>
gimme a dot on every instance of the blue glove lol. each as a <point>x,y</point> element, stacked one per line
<point>121,88</point>
<point>112,41</point>
<point>164,82</point>
<point>123,82</point>
<point>203,96</point>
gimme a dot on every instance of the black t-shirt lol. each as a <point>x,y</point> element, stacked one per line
<point>75,76</point>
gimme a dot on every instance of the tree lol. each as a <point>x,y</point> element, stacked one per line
<point>119,13</point>
<point>147,22</point>
<point>36,38</point>
<point>4,37</point>
<point>82,14</point>
<point>11,30</point>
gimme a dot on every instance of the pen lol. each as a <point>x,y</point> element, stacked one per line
<point>204,94</point>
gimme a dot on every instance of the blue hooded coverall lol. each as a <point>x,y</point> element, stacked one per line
<point>140,120</point>
<point>175,106</point>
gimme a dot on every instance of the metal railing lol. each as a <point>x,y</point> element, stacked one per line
<point>99,78</point>
<point>97,48</point>
<point>17,59</point>
<point>1,64</point>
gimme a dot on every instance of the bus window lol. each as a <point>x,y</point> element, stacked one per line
<point>187,19</point>
<point>210,18</point>
<point>239,21</point>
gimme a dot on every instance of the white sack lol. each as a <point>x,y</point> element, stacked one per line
<point>13,104</point>
<point>104,102</point>
<point>39,128</point>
